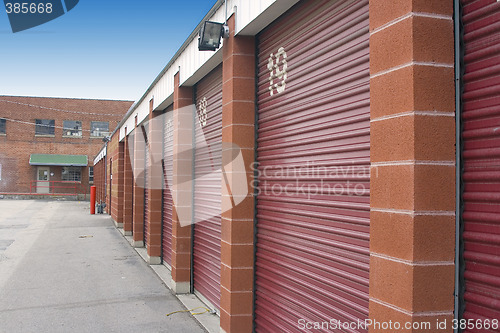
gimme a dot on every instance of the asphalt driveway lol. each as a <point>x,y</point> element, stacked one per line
<point>63,270</point>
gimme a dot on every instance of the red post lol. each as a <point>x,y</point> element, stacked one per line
<point>92,200</point>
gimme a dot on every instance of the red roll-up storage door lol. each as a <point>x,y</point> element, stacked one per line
<point>110,183</point>
<point>313,203</point>
<point>131,148</point>
<point>146,186</point>
<point>168,171</point>
<point>207,187</point>
<point>481,160</point>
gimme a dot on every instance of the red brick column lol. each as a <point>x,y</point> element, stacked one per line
<point>238,127</point>
<point>112,153</point>
<point>155,181</point>
<point>138,200</point>
<point>119,179</point>
<point>102,179</point>
<point>128,183</point>
<point>98,181</point>
<point>182,190</point>
<point>413,162</point>
<point>108,173</point>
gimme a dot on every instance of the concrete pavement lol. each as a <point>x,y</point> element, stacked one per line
<point>62,270</point>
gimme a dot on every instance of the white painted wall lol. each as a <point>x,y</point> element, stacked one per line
<point>251,17</point>
<point>100,156</point>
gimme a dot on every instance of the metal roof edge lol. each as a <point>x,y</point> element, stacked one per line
<point>60,164</point>
<point>33,157</point>
<point>73,98</point>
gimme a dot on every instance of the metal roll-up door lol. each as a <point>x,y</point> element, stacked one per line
<point>146,186</point>
<point>168,171</point>
<point>313,153</point>
<point>110,183</point>
<point>131,150</point>
<point>104,180</point>
<point>481,161</point>
<point>207,187</point>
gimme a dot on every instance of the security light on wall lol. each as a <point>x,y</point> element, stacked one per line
<point>210,35</point>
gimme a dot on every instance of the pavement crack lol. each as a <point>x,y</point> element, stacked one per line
<point>88,304</point>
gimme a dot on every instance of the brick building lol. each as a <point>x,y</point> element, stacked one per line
<point>333,162</point>
<point>45,142</point>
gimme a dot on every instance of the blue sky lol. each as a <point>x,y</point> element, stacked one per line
<point>101,49</point>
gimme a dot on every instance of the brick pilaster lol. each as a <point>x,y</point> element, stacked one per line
<point>118,178</point>
<point>138,200</point>
<point>238,129</point>
<point>182,189</point>
<point>155,181</point>
<point>128,183</point>
<point>412,162</point>
<point>108,174</point>
<point>98,180</point>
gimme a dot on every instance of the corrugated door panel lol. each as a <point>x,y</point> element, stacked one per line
<point>110,183</point>
<point>146,186</point>
<point>314,156</point>
<point>168,168</point>
<point>481,160</point>
<point>131,149</point>
<point>207,188</point>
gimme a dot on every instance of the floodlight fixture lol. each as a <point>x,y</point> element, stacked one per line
<point>211,34</point>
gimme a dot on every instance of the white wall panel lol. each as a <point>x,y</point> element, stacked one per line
<point>251,17</point>
<point>101,155</point>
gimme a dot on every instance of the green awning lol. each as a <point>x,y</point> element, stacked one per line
<point>59,160</point>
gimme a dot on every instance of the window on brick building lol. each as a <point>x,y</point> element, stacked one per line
<point>73,174</point>
<point>99,128</point>
<point>45,127</point>
<point>3,126</point>
<point>91,174</point>
<point>72,128</point>
<point>0,172</point>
